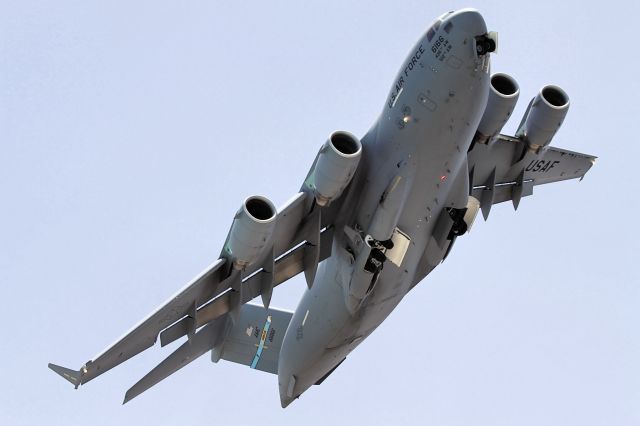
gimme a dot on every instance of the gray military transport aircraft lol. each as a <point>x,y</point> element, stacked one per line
<point>372,219</point>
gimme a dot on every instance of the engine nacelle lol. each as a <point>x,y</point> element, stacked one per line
<point>250,232</point>
<point>544,117</point>
<point>503,97</point>
<point>336,165</point>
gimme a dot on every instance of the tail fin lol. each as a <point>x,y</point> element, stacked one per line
<point>256,338</point>
<point>198,345</point>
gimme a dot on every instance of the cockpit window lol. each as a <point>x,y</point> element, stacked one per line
<point>433,29</point>
<point>447,27</point>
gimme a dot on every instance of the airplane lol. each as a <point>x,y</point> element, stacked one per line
<point>373,218</point>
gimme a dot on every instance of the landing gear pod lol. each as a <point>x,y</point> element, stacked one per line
<point>336,165</point>
<point>544,117</point>
<point>250,232</point>
<point>487,43</point>
<point>503,96</point>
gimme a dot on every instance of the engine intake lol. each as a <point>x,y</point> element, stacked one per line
<point>336,165</point>
<point>544,117</point>
<point>503,97</point>
<point>251,230</point>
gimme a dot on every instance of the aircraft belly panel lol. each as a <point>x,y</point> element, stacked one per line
<point>422,136</point>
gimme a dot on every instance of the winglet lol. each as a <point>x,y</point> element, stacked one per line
<point>71,376</point>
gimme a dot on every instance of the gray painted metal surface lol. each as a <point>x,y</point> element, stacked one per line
<point>365,236</point>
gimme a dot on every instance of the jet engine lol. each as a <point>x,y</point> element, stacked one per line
<point>250,231</point>
<point>544,117</point>
<point>503,96</point>
<point>336,165</point>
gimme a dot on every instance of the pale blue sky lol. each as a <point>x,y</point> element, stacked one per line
<point>130,133</point>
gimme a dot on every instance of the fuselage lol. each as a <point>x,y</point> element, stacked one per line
<point>413,167</point>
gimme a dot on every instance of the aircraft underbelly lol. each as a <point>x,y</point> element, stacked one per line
<point>423,145</point>
<point>322,331</point>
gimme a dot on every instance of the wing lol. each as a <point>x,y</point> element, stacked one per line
<point>302,238</point>
<point>507,170</point>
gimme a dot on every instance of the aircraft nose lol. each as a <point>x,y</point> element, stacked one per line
<point>469,20</point>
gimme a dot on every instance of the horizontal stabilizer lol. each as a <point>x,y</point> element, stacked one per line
<point>198,345</point>
<point>72,376</point>
<point>254,340</point>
